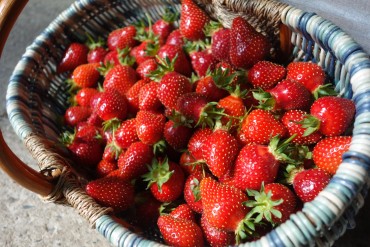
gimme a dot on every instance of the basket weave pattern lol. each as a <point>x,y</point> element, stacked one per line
<point>37,97</point>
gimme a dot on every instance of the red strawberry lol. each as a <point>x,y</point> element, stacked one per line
<point>86,154</point>
<point>76,114</point>
<point>192,21</point>
<point>274,203</point>
<point>84,96</point>
<point>97,51</point>
<point>122,38</point>
<point>135,160</point>
<point>330,115</point>
<point>308,184</point>
<point>147,209</point>
<point>216,237</point>
<point>247,46</point>
<point>149,126</point>
<point>180,232</point>
<point>233,106</point>
<point>126,134</point>
<point>182,64</point>
<point>202,61</point>
<point>112,192</point>
<point>132,96</point>
<point>146,50</point>
<point>120,78</point>
<point>146,67</point>
<point>177,136</point>
<point>192,191</point>
<point>183,211</point>
<point>164,26</point>
<point>312,76</point>
<point>148,99</point>
<point>221,44</point>
<point>175,38</point>
<point>266,74</point>
<point>105,167</point>
<point>327,153</point>
<point>111,152</point>
<point>189,164</point>
<point>195,144</point>
<point>219,152</point>
<point>291,121</point>
<point>260,126</point>
<point>171,87</point>
<point>286,95</point>
<point>87,133</point>
<point>210,89</point>
<point>75,55</point>
<point>85,75</point>
<point>223,206</point>
<point>166,180</point>
<point>112,105</point>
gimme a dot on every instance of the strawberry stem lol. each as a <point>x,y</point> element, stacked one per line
<point>159,173</point>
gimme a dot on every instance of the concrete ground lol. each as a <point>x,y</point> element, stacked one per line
<point>25,220</point>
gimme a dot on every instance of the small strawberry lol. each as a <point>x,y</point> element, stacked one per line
<point>75,55</point>
<point>146,50</point>
<point>84,76</point>
<point>183,211</point>
<point>132,96</point>
<point>84,95</point>
<point>105,167</point>
<point>112,105</point>
<point>86,154</point>
<point>177,136</point>
<point>121,38</point>
<point>213,85</point>
<point>126,134</point>
<point>220,149</point>
<point>327,153</point>
<point>286,95</point>
<point>202,61</point>
<point>216,237</point>
<point>146,67</point>
<point>76,114</point>
<point>165,180</point>
<point>266,74</point>
<point>196,142</point>
<point>308,184</point>
<point>87,133</point>
<point>112,192</point>
<point>180,232</point>
<point>247,46</point>
<point>259,126</point>
<point>149,126</point>
<point>192,21</point>
<point>175,38</point>
<point>233,106</point>
<point>97,50</point>
<point>120,78</point>
<point>135,160</point>
<point>164,26</point>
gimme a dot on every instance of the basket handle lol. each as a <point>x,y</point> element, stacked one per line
<point>9,162</point>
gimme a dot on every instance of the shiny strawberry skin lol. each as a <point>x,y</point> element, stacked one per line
<point>97,55</point>
<point>183,211</point>
<point>221,44</point>
<point>216,237</point>
<point>148,99</point>
<point>175,38</point>
<point>192,21</point>
<point>86,75</point>
<point>202,61</point>
<point>126,134</point>
<point>121,38</point>
<point>76,114</point>
<point>182,64</point>
<point>207,87</point>
<point>111,105</point>
<point>75,55</point>
<point>120,78</point>
<point>112,192</point>
<point>146,67</point>
<point>234,107</point>
<point>132,96</point>
<point>192,191</point>
<point>86,154</point>
<point>176,136</point>
<point>149,126</point>
<point>195,144</point>
<point>84,96</point>
<point>266,74</point>
<point>188,163</point>
<point>191,105</point>
<point>105,167</point>
<point>327,153</point>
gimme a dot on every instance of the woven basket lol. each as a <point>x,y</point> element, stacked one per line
<point>36,98</point>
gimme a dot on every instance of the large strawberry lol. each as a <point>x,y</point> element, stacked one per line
<point>266,74</point>
<point>192,21</point>
<point>149,126</point>
<point>219,152</point>
<point>75,55</point>
<point>120,78</point>
<point>126,134</point>
<point>177,56</point>
<point>121,38</point>
<point>247,46</point>
<point>177,135</point>
<point>165,180</point>
<point>112,192</point>
<point>195,144</point>
<point>327,153</point>
<point>180,232</point>
<point>111,105</point>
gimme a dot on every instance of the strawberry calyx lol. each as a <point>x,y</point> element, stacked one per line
<point>265,99</point>
<point>212,27</point>
<point>125,58</point>
<point>263,206</point>
<point>170,15</point>
<point>93,44</point>
<point>310,124</point>
<point>159,173</point>
<point>67,137</point>
<point>159,147</point>
<point>164,66</point>
<point>209,114</point>
<point>179,119</point>
<point>197,45</point>
<point>104,68</point>
<point>111,125</point>
<point>282,149</point>
<point>223,78</point>
<point>114,149</point>
<point>245,230</point>
<point>324,90</point>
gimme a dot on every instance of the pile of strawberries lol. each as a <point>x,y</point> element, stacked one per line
<point>195,131</point>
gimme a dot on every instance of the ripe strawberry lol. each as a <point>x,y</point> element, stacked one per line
<point>195,144</point>
<point>182,64</point>
<point>210,89</point>
<point>192,191</point>
<point>260,126</point>
<point>192,21</point>
<point>148,99</point>
<point>308,184</point>
<point>105,167</point>
<point>327,153</point>
<point>180,232</point>
<point>247,46</point>
<point>176,135</point>
<point>135,160</point>
<point>122,38</point>
<point>233,106</point>
<point>112,105</point>
<point>164,26</point>
<point>175,38</point>
<point>147,209</point>
<point>146,50</point>
<point>171,87</point>
<point>76,114</point>
<point>120,78</point>
<point>146,67</point>
<point>286,95</point>
<point>126,134</point>
<point>75,55</point>
<point>87,133</point>
<point>221,44</point>
<point>330,115</point>
<point>84,96</point>
<point>189,164</point>
<point>312,76</point>
<point>223,206</point>
<point>132,96</point>
<point>112,192</point>
<point>86,154</point>
<point>216,237</point>
<point>274,203</point>
<point>165,180</point>
<point>111,152</point>
<point>149,126</point>
<point>84,75</point>
<point>202,61</point>
<point>183,211</point>
<point>266,74</point>
<point>291,121</point>
<point>219,152</point>
<point>97,50</point>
